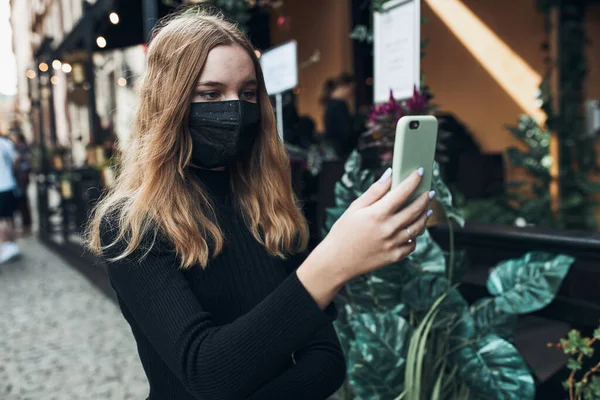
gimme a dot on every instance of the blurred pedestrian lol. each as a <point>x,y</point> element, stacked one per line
<point>9,191</point>
<point>340,129</point>
<point>22,171</point>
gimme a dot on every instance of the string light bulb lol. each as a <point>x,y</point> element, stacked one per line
<point>66,68</point>
<point>114,18</point>
<point>56,64</point>
<point>54,80</point>
<point>101,42</point>
<point>122,82</point>
<point>43,67</point>
<point>31,74</point>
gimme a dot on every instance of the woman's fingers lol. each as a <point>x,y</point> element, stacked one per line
<point>375,192</point>
<point>394,200</point>
<point>409,234</point>
<point>412,212</point>
<point>406,239</point>
<point>403,251</point>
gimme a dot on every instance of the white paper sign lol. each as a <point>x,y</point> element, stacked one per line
<point>280,67</point>
<point>397,48</point>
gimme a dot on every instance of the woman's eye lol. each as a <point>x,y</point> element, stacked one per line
<point>209,95</point>
<point>249,94</point>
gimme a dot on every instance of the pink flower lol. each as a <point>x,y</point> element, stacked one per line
<point>417,104</point>
<point>391,109</point>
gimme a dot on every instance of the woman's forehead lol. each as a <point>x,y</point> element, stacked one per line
<point>228,64</point>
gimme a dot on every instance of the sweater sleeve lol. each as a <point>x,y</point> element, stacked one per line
<point>213,362</point>
<point>320,369</point>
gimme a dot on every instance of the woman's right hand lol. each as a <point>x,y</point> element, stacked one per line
<point>376,230</point>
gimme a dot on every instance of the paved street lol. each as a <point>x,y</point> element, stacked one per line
<point>60,338</point>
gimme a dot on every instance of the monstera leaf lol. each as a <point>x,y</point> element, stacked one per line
<point>529,283</point>
<point>490,319</point>
<point>420,294</point>
<point>428,256</point>
<point>386,283</point>
<point>494,370</point>
<point>344,196</point>
<point>355,179</point>
<point>361,296</point>
<point>343,329</point>
<point>377,358</point>
<point>444,196</point>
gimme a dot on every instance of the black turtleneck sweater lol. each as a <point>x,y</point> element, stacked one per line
<point>243,328</point>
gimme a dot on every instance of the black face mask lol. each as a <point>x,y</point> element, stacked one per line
<point>222,131</point>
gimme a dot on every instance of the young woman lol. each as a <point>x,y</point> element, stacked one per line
<point>200,230</point>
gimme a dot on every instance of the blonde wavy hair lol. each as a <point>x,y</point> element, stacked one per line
<point>155,191</point>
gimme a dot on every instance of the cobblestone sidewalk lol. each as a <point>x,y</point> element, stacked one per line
<point>60,338</point>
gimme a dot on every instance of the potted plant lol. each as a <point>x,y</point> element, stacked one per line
<point>583,383</point>
<point>406,330</point>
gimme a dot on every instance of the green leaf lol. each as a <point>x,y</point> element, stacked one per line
<point>529,283</point>
<point>444,197</point>
<point>575,337</point>
<point>436,394</point>
<point>587,351</point>
<point>377,357</point>
<point>420,358</point>
<point>360,296</point>
<point>578,388</point>
<point>332,215</point>
<point>343,329</point>
<point>490,319</point>
<point>386,283</point>
<point>589,186</point>
<point>493,369</point>
<point>597,333</point>
<point>573,364</point>
<point>352,165</point>
<point>420,293</point>
<point>461,264</point>
<point>343,195</point>
<point>594,389</point>
<point>568,347</point>
<point>355,179</point>
<point>362,34</point>
<point>414,358</point>
<point>428,256</point>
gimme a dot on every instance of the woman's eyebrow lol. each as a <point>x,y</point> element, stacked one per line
<point>211,84</point>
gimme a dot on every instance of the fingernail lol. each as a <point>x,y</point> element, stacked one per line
<point>421,171</point>
<point>386,175</point>
<point>429,213</point>
<point>432,194</point>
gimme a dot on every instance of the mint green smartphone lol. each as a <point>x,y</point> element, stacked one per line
<point>415,145</point>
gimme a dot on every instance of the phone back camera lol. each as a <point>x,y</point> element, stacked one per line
<point>414,125</point>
